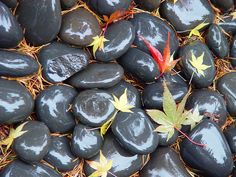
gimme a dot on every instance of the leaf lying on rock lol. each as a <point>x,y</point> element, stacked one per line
<point>98,43</point>
<point>195,31</point>
<point>193,117</point>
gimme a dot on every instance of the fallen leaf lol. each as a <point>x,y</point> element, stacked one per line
<point>107,124</point>
<point>195,31</point>
<point>98,43</point>
<point>174,1</point>
<point>197,63</point>
<point>233,14</point>
<point>193,117</point>
<point>14,133</point>
<point>114,16</point>
<point>102,167</point>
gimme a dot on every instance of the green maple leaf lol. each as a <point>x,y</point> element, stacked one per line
<point>197,63</point>
<point>195,31</point>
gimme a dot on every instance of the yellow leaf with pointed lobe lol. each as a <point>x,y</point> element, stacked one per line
<point>195,31</point>
<point>98,43</point>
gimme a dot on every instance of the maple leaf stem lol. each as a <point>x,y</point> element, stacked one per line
<point>105,29</point>
<point>186,136</point>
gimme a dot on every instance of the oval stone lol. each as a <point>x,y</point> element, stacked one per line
<point>109,75</point>
<point>233,51</point>
<point>93,107</point>
<point>230,135</point>
<point>10,31</point>
<point>135,132</point>
<point>149,5</point>
<point>163,138</point>
<point>209,103</point>
<point>21,169</point>
<point>79,27</point>
<point>197,48</point>
<point>10,3</point>
<point>152,95</point>
<point>34,144</point>
<point>60,61</point>
<point>107,7</point>
<point>67,4</point>
<point>60,156</point>
<point>124,164</point>
<point>40,19</point>
<point>228,24</point>
<point>164,162</point>
<point>155,31</point>
<point>140,65</point>
<point>185,15</point>
<point>215,158</point>
<point>217,41</point>
<point>52,106</point>
<point>15,64</point>
<point>133,95</point>
<point>16,103</point>
<point>226,85</point>
<point>86,142</point>
<point>119,41</point>
<point>224,5</point>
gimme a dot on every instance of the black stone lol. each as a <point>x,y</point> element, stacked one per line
<point>107,7</point>
<point>34,144</point>
<point>223,5</point>
<point>228,24</point>
<point>210,103</point>
<point>233,52</point>
<point>60,61</point>
<point>149,5</point>
<point>18,168</point>
<point>184,15</point>
<point>16,103</point>
<point>164,162</point>
<point>135,132</point>
<point>60,156</point>
<point>14,64</point>
<point>212,160</point>
<point>93,107</point>
<point>153,94</point>
<point>230,135</point>
<point>52,106</point>
<point>67,4</point>
<point>197,48</point>
<point>155,31</point>
<point>10,3</point>
<point>217,41</point>
<point>133,95</point>
<point>124,164</point>
<point>120,39</point>
<point>140,65</point>
<point>226,85</point>
<point>10,31</point>
<point>79,27</point>
<point>98,75</point>
<point>163,139</point>
<point>40,19</point>
<point>86,142</point>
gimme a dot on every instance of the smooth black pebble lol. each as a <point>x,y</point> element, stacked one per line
<point>10,3</point>
<point>67,4</point>
<point>233,52</point>
<point>149,5</point>
<point>230,135</point>
<point>223,5</point>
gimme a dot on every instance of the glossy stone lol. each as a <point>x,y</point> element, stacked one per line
<point>155,31</point>
<point>16,103</point>
<point>18,168</point>
<point>14,64</point>
<point>120,39</point>
<point>60,61</point>
<point>164,162</point>
<point>10,31</point>
<point>33,145</point>
<point>86,142</point>
<point>163,139</point>
<point>67,4</point>
<point>224,5</point>
<point>10,3</point>
<point>124,164</point>
<point>52,106</point>
<point>228,24</point>
<point>152,95</point>
<point>215,158</point>
<point>149,5</point>
<point>186,14</point>
<point>197,48</point>
<point>230,135</point>
<point>40,19</point>
<point>217,41</point>
<point>79,27</point>
<point>60,156</point>
<point>140,65</point>
<point>208,102</point>
<point>107,7</point>
<point>233,52</point>
<point>226,85</point>
<point>133,94</point>
<point>109,75</point>
<point>93,107</point>
<point>135,132</point>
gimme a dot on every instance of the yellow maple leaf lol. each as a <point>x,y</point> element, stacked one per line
<point>197,63</point>
<point>121,104</point>
<point>102,167</point>
<point>233,14</point>
<point>195,31</point>
<point>98,43</point>
<point>14,133</point>
<point>174,1</point>
<point>107,124</point>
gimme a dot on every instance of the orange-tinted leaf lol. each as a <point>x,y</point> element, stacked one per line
<point>166,52</point>
<point>114,16</point>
